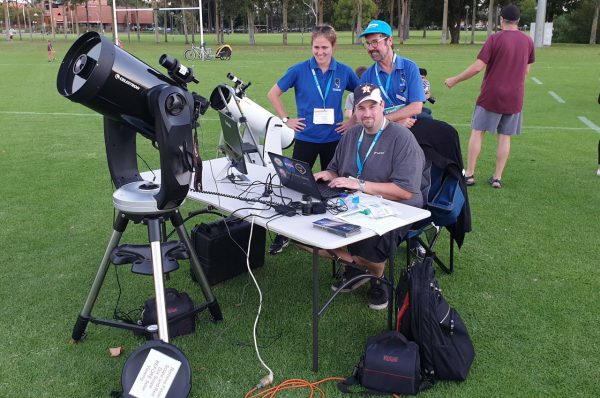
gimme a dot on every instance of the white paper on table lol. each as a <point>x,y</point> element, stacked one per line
<point>156,376</point>
<point>377,225</point>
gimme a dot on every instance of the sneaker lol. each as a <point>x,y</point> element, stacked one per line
<point>279,243</point>
<point>419,251</point>
<point>349,273</point>
<point>416,249</point>
<point>378,295</point>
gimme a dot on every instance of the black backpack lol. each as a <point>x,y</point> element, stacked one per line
<point>425,317</point>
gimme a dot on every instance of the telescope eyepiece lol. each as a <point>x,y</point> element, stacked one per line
<point>236,81</point>
<point>168,62</point>
<point>178,72</point>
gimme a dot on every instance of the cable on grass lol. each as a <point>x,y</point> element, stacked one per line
<point>292,384</point>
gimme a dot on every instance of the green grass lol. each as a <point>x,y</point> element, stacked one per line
<point>526,280</point>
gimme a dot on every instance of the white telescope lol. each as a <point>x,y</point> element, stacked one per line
<point>264,130</point>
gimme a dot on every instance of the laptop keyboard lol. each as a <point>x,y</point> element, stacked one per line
<point>327,192</point>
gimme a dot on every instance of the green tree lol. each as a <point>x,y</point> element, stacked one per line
<point>426,13</point>
<point>594,31</point>
<point>6,20</point>
<point>555,8</point>
<point>528,11</point>
<point>575,26</point>
<point>345,14</point>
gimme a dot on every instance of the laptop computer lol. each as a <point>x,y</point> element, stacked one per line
<point>297,175</point>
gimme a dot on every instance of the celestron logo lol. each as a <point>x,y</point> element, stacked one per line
<point>128,82</point>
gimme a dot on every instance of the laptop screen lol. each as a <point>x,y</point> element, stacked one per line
<point>295,174</point>
<point>233,143</point>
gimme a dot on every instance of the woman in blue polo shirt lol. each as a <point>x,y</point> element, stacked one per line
<point>319,85</point>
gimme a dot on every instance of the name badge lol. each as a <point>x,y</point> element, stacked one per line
<point>323,116</point>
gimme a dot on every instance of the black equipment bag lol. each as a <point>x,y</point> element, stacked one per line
<point>181,314</point>
<point>221,246</point>
<point>445,346</point>
<point>389,365</point>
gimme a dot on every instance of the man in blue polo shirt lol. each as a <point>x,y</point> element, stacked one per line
<point>398,78</point>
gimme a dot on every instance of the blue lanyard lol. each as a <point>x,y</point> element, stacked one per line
<point>319,87</point>
<point>360,165</point>
<point>387,83</point>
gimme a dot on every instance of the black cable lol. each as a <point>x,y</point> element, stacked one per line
<point>336,206</point>
<point>147,165</point>
<point>271,203</point>
<point>120,315</point>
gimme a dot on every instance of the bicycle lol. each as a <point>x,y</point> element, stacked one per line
<point>202,52</point>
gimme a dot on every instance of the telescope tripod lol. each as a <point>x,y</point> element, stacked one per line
<point>153,220</point>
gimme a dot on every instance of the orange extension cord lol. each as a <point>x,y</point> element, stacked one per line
<point>292,383</point>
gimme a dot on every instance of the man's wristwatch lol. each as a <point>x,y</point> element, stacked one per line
<point>285,119</point>
<point>361,185</point>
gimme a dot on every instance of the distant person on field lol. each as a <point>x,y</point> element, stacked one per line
<point>349,105</point>
<point>425,112</point>
<point>50,51</point>
<point>506,57</point>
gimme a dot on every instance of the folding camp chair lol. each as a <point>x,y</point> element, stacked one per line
<point>445,202</point>
<point>448,198</point>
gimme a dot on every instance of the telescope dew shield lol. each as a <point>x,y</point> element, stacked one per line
<point>109,80</point>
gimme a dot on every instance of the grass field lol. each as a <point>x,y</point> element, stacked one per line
<point>526,280</point>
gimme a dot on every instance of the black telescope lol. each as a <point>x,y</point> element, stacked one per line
<point>135,98</point>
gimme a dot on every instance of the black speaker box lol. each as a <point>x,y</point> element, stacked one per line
<point>219,247</point>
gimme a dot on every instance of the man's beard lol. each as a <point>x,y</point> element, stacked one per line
<point>368,123</point>
<point>376,56</point>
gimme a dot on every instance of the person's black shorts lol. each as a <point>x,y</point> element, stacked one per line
<point>376,249</point>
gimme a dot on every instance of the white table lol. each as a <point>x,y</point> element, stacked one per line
<point>298,228</point>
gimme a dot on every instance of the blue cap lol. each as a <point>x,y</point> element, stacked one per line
<point>377,26</point>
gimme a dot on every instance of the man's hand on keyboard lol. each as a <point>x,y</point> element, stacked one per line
<point>344,182</point>
<point>325,175</point>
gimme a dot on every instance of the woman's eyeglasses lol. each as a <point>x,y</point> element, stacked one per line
<point>373,43</point>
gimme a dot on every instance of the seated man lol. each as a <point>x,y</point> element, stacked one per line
<point>377,157</point>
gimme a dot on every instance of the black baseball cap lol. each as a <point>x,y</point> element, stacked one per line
<point>510,13</point>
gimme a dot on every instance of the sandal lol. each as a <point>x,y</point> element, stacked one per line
<point>469,180</point>
<point>495,183</point>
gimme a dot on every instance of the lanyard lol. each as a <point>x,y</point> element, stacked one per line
<point>323,97</point>
<point>360,165</point>
<point>387,83</point>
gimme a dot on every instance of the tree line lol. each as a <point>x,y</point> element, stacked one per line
<point>574,20</point>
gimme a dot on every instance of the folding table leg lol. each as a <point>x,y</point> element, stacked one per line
<point>315,309</point>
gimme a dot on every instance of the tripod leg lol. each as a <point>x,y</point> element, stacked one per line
<point>213,305</point>
<point>84,316</point>
<point>157,272</point>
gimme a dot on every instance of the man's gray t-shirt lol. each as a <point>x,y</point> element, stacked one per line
<point>396,157</point>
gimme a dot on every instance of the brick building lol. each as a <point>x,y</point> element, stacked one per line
<point>99,13</point>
